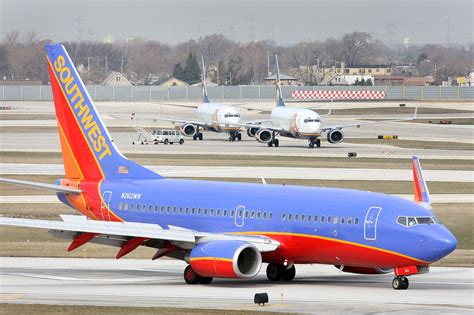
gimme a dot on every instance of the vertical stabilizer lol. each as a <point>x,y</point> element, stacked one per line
<point>87,148</point>
<point>279,101</point>
<point>205,98</point>
<point>421,193</point>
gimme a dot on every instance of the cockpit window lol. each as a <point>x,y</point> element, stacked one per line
<point>231,115</point>
<point>412,221</point>
<point>308,120</point>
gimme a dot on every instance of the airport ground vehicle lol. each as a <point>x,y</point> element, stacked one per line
<point>156,136</point>
<point>225,229</point>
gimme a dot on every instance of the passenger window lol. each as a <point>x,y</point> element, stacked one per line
<point>120,205</point>
<point>180,210</point>
<point>131,207</point>
<point>168,209</point>
<point>198,211</point>
<point>204,211</point>
<point>283,217</point>
<point>343,220</point>
<point>289,216</point>
<point>270,215</point>
<point>296,217</point>
<point>336,219</point>
<point>143,208</point>
<point>252,214</point>
<point>162,209</point>
<point>246,214</point>
<point>150,208</point>
<point>174,209</point>
<point>125,206</point>
<point>232,212</point>
<point>258,215</point>
<point>186,210</point>
<point>218,212</point>
<point>193,211</point>
<point>156,208</point>
<point>302,217</point>
<point>264,215</point>
<point>239,213</point>
<point>349,220</point>
<point>316,218</point>
<point>309,217</point>
<point>356,221</point>
<point>211,212</point>
<point>329,219</point>
<point>322,219</point>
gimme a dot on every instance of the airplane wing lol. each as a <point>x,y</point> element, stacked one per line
<point>175,120</point>
<point>259,124</point>
<point>179,105</point>
<point>358,125</point>
<point>130,235</point>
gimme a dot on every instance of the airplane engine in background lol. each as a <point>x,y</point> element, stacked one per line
<point>263,135</point>
<point>335,136</point>
<point>225,259</point>
<point>188,130</point>
<point>251,132</point>
<point>363,270</point>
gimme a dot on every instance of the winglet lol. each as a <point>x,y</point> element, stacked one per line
<point>280,101</point>
<point>205,98</point>
<point>416,110</point>
<point>421,193</point>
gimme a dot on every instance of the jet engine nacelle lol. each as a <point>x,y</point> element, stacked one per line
<point>188,130</point>
<point>251,132</point>
<point>363,270</point>
<point>226,259</point>
<point>335,136</point>
<point>263,135</point>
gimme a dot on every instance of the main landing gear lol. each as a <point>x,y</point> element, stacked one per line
<point>197,136</point>
<point>400,283</point>
<point>235,136</point>
<point>191,277</point>
<point>314,142</point>
<point>274,141</point>
<point>276,272</point>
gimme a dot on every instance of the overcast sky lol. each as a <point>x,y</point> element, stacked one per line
<point>286,22</point>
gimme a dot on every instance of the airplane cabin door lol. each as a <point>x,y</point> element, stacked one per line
<point>370,223</point>
<point>104,207</point>
<point>239,216</point>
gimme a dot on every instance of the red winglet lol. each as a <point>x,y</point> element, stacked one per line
<point>80,240</point>
<point>129,246</point>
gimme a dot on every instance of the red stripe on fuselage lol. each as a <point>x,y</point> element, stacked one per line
<point>303,249</point>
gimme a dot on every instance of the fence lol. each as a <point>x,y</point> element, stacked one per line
<point>222,93</point>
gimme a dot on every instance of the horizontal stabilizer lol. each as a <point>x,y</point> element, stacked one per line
<point>51,187</point>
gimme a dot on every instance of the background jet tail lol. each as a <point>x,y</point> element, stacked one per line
<point>88,150</point>
<point>205,98</point>
<point>421,193</point>
<point>279,101</point>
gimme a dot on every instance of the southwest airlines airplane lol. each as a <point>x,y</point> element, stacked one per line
<point>299,123</point>
<point>225,230</point>
<point>210,116</point>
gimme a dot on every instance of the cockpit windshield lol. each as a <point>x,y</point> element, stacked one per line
<point>228,115</point>
<point>412,221</point>
<point>309,120</point>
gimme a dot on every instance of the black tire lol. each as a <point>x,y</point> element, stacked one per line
<point>231,139</point>
<point>166,141</point>
<point>276,143</point>
<point>274,272</point>
<point>318,143</point>
<point>397,283</point>
<point>133,142</point>
<point>195,137</point>
<point>239,136</point>
<point>200,136</point>
<point>181,141</point>
<point>190,276</point>
<point>270,144</point>
<point>405,283</point>
<point>288,274</point>
<point>311,144</point>
<point>141,143</point>
<point>205,280</point>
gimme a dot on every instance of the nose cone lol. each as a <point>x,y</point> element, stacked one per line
<point>441,245</point>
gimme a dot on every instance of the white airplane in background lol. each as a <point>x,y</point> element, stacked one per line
<point>210,116</point>
<point>298,123</point>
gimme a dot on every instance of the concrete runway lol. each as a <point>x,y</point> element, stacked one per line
<point>316,288</point>
<point>266,172</point>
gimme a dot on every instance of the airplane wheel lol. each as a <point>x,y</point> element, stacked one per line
<point>288,274</point>
<point>270,144</point>
<point>133,142</point>
<point>239,136</point>
<point>400,283</point>
<point>318,143</point>
<point>231,138</point>
<point>195,137</point>
<point>190,276</point>
<point>311,144</point>
<point>200,136</point>
<point>205,280</point>
<point>141,143</point>
<point>274,272</point>
<point>276,143</point>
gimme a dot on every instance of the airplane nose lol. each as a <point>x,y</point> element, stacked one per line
<point>441,246</point>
